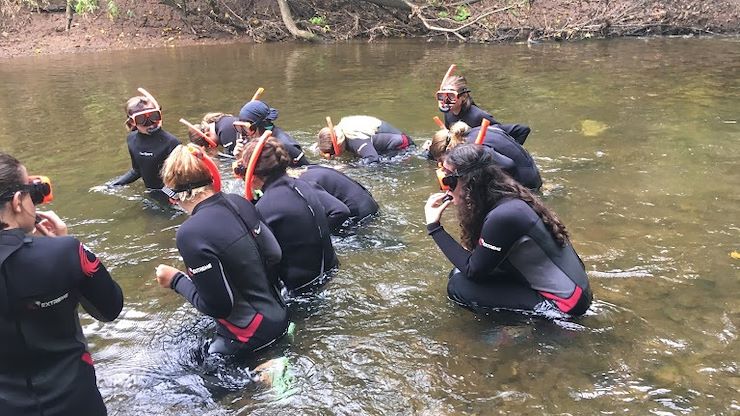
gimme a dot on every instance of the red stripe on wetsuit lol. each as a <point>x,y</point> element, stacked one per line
<point>243,334</point>
<point>567,304</point>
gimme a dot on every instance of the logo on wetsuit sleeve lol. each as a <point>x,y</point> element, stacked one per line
<point>200,269</point>
<point>146,154</point>
<point>488,246</point>
<point>89,267</point>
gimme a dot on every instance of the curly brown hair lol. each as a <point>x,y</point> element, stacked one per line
<point>273,161</point>
<point>484,185</point>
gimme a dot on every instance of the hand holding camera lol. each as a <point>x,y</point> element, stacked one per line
<point>49,224</point>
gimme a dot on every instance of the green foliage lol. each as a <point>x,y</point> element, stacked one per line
<point>84,7</point>
<point>113,11</point>
<point>461,13</point>
<point>443,15</point>
<point>318,21</point>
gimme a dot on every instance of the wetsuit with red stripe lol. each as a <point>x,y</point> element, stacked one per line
<point>45,367</point>
<point>473,116</point>
<point>386,140</point>
<point>517,264</point>
<point>301,215</point>
<point>229,253</point>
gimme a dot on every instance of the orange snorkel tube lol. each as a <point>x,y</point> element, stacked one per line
<point>258,93</point>
<point>196,151</point>
<point>205,137</point>
<point>439,122</point>
<point>334,142</point>
<point>483,130</point>
<point>249,175</point>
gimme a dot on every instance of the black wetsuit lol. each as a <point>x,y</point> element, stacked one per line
<point>148,153</point>
<point>358,199</point>
<point>387,139</point>
<point>230,255</point>
<point>45,367</point>
<point>298,158</point>
<point>522,166</point>
<point>473,116</point>
<point>302,215</point>
<point>226,133</point>
<point>517,264</point>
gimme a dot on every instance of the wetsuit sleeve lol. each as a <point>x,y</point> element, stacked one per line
<point>100,295</point>
<point>131,175</point>
<point>336,211</point>
<point>207,288</point>
<point>501,229</point>
<point>268,244</point>
<point>365,149</point>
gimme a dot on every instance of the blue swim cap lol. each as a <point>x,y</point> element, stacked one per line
<point>258,113</point>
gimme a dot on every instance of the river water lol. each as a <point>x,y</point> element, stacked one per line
<point>638,142</point>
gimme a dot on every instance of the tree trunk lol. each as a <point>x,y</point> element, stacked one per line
<point>68,13</point>
<point>290,23</point>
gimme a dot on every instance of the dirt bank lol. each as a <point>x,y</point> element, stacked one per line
<point>122,24</point>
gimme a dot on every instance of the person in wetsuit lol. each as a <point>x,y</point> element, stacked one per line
<point>229,254</point>
<point>509,155</point>
<point>457,104</point>
<point>356,197</point>
<point>45,275</point>
<point>515,252</point>
<point>302,216</point>
<point>364,136</point>
<point>261,117</point>
<point>219,127</point>
<point>148,145</point>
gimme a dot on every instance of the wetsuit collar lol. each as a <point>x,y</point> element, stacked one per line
<point>211,200</point>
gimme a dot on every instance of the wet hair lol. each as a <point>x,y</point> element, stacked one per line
<point>181,169</point>
<point>11,177</point>
<point>197,138</point>
<point>273,160</point>
<point>483,185</point>
<point>214,117</point>
<point>444,140</point>
<point>134,105</point>
<point>325,145</point>
<point>460,84</point>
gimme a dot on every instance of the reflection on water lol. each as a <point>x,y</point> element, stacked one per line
<point>637,144</point>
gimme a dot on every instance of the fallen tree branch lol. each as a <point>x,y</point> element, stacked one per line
<point>290,23</point>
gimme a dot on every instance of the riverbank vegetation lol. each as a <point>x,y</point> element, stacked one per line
<point>47,26</point>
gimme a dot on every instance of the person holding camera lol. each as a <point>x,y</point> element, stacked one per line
<point>46,368</point>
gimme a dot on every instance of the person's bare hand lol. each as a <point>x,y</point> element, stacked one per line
<point>50,224</point>
<point>165,274</point>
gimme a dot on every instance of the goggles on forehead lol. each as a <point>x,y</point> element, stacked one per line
<point>243,127</point>
<point>146,117</point>
<point>38,188</point>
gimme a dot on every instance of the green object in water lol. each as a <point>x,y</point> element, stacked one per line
<point>282,380</point>
<point>592,127</point>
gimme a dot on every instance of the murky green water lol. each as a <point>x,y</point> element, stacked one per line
<point>638,142</point>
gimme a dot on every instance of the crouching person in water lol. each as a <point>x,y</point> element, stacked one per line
<point>356,197</point>
<point>515,252</point>
<point>229,253</point>
<point>300,214</point>
<point>509,155</point>
<point>44,275</point>
<point>364,136</point>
